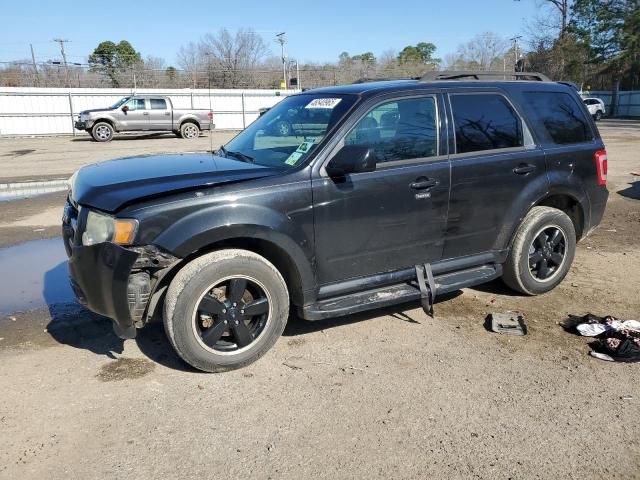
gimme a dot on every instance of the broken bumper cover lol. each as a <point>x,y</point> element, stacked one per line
<point>100,277</point>
<point>82,124</point>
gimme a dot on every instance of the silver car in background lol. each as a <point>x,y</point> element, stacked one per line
<point>143,113</point>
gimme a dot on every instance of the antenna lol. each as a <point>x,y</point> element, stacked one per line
<point>210,114</point>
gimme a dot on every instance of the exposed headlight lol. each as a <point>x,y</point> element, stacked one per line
<point>105,228</point>
<point>84,117</point>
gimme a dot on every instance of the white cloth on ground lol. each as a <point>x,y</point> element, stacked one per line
<point>595,329</point>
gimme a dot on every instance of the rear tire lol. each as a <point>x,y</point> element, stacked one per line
<point>598,116</point>
<point>542,252</point>
<point>204,311</point>
<point>189,131</point>
<point>102,132</point>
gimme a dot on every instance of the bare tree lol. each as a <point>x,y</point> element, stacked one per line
<point>189,60</point>
<point>483,52</point>
<point>230,57</point>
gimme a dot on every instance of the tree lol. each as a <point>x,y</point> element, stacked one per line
<point>483,52</point>
<point>610,30</point>
<point>366,57</point>
<point>189,59</point>
<point>230,57</point>
<point>420,53</point>
<point>112,59</point>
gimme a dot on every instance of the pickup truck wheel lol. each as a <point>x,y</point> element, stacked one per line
<point>542,251</point>
<point>102,132</point>
<point>225,309</point>
<point>598,116</point>
<point>189,131</point>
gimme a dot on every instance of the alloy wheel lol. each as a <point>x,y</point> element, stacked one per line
<point>547,253</point>
<point>231,315</point>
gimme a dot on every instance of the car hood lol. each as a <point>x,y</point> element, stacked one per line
<point>112,184</point>
<point>96,110</point>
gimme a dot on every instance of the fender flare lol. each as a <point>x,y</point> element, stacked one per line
<point>533,195</point>
<point>205,228</point>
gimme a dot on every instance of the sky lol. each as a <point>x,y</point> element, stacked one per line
<point>316,31</point>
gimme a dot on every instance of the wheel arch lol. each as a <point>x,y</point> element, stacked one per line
<point>569,205</point>
<point>567,198</point>
<point>104,120</point>
<point>254,228</point>
<point>189,120</point>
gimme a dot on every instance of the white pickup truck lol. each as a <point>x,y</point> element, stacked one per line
<point>143,113</point>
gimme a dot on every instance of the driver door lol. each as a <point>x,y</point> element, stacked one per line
<point>136,116</point>
<point>394,217</point>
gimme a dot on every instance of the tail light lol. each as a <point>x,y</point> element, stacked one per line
<point>601,166</point>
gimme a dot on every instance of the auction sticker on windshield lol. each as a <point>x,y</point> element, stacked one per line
<point>323,103</point>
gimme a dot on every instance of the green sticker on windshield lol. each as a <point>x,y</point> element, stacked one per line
<point>293,158</point>
<point>305,146</point>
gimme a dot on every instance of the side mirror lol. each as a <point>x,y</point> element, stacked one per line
<point>125,108</point>
<point>352,159</point>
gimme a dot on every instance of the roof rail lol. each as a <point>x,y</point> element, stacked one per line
<point>487,75</point>
<point>383,79</point>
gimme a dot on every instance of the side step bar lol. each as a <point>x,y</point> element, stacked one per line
<point>399,293</point>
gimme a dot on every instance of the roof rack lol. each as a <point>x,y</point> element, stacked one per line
<point>383,79</point>
<point>487,75</point>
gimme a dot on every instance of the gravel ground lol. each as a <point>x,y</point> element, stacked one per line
<point>384,394</point>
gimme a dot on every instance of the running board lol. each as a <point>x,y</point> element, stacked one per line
<point>395,294</point>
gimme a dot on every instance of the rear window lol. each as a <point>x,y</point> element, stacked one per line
<point>158,104</point>
<point>485,122</point>
<point>560,115</point>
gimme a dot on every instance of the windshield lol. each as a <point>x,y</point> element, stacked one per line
<point>287,133</point>
<point>119,103</point>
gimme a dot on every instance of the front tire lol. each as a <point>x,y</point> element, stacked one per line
<point>102,132</point>
<point>598,116</point>
<point>542,252</point>
<point>225,309</point>
<point>189,131</point>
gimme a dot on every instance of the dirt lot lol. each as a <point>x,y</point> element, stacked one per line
<point>37,158</point>
<point>386,394</point>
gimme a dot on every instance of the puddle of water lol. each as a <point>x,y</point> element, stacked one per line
<point>34,275</point>
<point>17,191</point>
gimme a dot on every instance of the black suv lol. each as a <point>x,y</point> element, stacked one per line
<point>411,189</point>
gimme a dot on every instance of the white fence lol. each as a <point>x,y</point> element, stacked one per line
<point>628,104</point>
<point>46,111</point>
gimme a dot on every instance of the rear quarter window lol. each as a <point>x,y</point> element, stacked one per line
<point>560,115</point>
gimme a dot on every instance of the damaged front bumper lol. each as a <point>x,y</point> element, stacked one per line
<point>115,281</point>
<point>100,280</point>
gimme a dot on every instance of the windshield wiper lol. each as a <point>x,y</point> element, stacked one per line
<point>238,155</point>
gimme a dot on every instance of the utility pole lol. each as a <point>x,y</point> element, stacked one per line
<point>515,45</point>
<point>35,67</point>
<point>282,40</point>
<point>62,41</point>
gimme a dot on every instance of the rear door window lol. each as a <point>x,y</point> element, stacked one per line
<point>158,104</point>
<point>485,122</point>
<point>560,115</point>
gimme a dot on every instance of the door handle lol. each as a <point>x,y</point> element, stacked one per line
<point>524,168</point>
<point>145,113</point>
<point>422,184</point>
<point>167,114</point>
